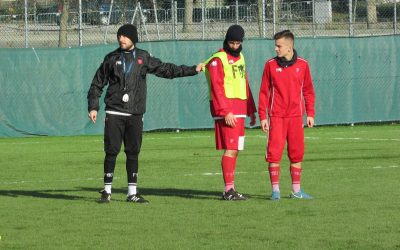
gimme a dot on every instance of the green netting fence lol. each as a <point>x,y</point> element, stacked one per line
<point>43,91</point>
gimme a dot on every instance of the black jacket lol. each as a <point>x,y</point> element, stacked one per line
<point>111,72</point>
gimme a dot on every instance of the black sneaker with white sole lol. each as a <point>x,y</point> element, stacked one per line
<point>232,195</point>
<point>136,198</point>
<point>105,197</point>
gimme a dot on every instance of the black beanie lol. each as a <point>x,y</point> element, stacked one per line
<point>129,31</point>
<point>235,33</point>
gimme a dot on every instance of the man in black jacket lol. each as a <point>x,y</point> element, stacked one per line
<point>125,70</point>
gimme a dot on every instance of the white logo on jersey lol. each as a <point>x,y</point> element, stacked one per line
<point>118,62</point>
<point>278,69</point>
<point>214,63</point>
<point>230,61</point>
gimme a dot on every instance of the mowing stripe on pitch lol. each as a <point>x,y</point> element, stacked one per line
<point>209,136</point>
<point>198,174</point>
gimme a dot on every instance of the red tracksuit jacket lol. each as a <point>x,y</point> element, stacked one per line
<point>286,92</point>
<point>220,105</point>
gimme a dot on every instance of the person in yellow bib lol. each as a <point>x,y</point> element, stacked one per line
<point>230,102</point>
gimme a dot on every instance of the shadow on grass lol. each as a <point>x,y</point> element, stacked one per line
<point>46,194</point>
<point>62,194</point>
<point>171,192</point>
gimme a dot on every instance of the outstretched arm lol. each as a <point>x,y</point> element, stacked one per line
<point>170,70</point>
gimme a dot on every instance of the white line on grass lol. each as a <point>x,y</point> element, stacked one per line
<point>210,174</point>
<point>354,139</point>
<point>179,137</point>
<point>336,138</point>
<point>381,167</point>
<point>47,181</point>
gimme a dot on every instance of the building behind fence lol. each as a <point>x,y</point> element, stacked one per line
<point>35,24</point>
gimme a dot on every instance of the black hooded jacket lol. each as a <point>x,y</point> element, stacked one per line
<point>111,72</point>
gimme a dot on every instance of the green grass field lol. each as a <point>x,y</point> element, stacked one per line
<point>49,185</point>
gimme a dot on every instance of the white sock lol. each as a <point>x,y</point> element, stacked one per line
<point>107,188</point>
<point>131,189</point>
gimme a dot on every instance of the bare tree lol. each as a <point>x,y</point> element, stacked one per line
<point>62,41</point>
<point>188,20</point>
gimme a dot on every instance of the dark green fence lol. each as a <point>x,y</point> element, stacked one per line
<point>43,91</point>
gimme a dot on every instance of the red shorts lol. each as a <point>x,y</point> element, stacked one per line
<point>281,130</point>
<point>227,137</point>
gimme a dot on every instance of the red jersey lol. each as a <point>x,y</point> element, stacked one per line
<point>286,91</point>
<point>220,105</point>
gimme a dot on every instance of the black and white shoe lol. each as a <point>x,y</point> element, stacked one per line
<point>105,197</point>
<point>232,195</point>
<point>136,198</point>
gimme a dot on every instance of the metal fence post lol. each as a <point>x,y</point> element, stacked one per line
<point>313,18</point>
<point>395,17</point>
<point>355,11</point>
<point>273,17</point>
<point>351,33</point>
<point>34,13</point>
<point>143,21</point>
<point>80,23</point>
<point>263,26</point>
<point>237,12</point>
<point>203,21</point>
<point>174,19</point>
<point>26,23</point>
<point>156,17</point>
<point>108,21</point>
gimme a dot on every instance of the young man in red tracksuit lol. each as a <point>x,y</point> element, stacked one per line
<point>286,92</point>
<point>230,102</point>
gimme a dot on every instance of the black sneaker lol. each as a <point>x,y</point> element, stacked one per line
<point>232,195</point>
<point>136,198</point>
<point>105,197</point>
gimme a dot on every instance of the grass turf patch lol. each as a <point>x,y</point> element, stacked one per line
<point>49,185</point>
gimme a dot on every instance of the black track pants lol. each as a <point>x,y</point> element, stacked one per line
<point>118,129</point>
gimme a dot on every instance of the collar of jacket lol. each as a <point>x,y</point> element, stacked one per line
<point>127,51</point>
<point>234,53</point>
<point>284,63</point>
